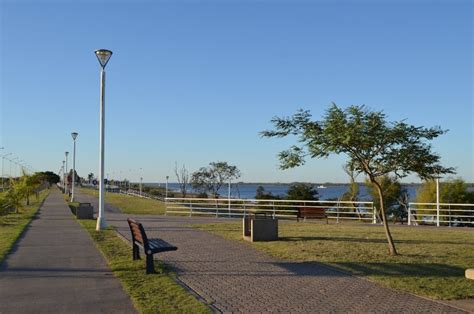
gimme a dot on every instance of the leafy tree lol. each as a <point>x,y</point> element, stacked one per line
<point>264,195</point>
<point>373,146</point>
<point>302,191</point>
<point>16,193</point>
<point>90,177</point>
<point>49,176</point>
<point>210,179</point>
<point>353,190</point>
<point>450,191</point>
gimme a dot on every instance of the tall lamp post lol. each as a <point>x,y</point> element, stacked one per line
<point>103,55</point>
<point>74,136</point>
<point>166,191</point>
<point>66,175</point>
<point>64,178</point>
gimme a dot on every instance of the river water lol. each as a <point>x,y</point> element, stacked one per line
<point>248,190</point>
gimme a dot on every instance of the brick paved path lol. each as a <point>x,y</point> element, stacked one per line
<point>234,277</point>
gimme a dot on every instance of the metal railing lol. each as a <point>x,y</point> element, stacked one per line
<point>136,193</point>
<point>283,209</point>
<point>446,214</point>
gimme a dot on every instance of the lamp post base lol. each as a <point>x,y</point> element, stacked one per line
<point>101,224</point>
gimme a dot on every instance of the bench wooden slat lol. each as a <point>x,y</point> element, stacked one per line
<point>312,212</point>
<point>149,246</point>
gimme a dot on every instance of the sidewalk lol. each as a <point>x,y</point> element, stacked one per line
<point>234,277</point>
<point>56,268</point>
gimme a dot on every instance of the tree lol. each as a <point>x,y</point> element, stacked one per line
<point>210,179</point>
<point>450,191</point>
<point>302,191</point>
<point>373,146</point>
<point>353,190</point>
<point>264,195</point>
<point>182,175</point>
<point>16,193</point>
<point>49,176</point>
<point>90,177</point>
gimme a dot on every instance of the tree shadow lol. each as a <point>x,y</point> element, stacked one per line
<point>366,240</point>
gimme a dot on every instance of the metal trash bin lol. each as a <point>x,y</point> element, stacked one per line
<point>259,227</point>
<point>85,211</point>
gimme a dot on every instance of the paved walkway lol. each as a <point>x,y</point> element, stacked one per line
<point>234,277</point>
<point>56,268</point>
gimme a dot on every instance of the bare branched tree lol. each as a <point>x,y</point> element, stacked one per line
<point>182,175</point>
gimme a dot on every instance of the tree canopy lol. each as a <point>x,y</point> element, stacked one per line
<point>210,179</point>
<point>373,145</point>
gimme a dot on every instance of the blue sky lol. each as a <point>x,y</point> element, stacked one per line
<point>196,81</point>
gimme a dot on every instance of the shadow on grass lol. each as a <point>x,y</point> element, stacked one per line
<point>365,240</point>
<point>402,269</point>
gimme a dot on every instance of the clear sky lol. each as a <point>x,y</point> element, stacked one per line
<point>196,81</point>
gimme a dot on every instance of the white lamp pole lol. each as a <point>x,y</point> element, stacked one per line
<point>103,55</point>
<point>64,178</point>
<point>141,181</point>
<point>74,136</point>
<point>66,173</point>
<point>166,191</point>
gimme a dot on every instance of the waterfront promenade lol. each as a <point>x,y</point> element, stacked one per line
<point>56,268</point>
<point>234,277</point>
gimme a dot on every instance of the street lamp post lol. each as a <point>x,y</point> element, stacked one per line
<point>166,190</point>
<point>74,136</point>
<point>66,175</point>
<point>103,55</point>
<point>141,181</point>
<point>64,178</point>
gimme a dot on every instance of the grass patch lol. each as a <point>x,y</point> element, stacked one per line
<point>150,293</point>
<point>12,225</point>
<point>131,204</point>
<point>431,262</point>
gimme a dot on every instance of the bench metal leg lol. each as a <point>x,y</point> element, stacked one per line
<point>150,269</point>
<point>136,252</point>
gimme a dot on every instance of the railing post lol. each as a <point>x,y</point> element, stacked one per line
<point>190,209</point>
<point>409,214</point>
<point>273,202</point>
<point>374,214</point>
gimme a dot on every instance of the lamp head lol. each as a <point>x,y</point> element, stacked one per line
<point>74,135</point>
<point>103,55</point>
<point>67,153</point>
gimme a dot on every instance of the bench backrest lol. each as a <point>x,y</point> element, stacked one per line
<point>138,233</point>
<point>312,212</point>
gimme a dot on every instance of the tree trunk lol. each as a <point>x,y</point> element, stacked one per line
<point>391,246</point>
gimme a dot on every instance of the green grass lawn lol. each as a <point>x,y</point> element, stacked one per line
<point>131,204</point>
<point>150,293</point>
<point>431,261</point>
<point>12,225</point>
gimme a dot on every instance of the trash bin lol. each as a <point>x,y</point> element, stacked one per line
<point>260,227</point>
<point>85,211</point>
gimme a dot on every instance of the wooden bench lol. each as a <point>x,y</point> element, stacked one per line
<point>149,246</point>
<point>312,213</point>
